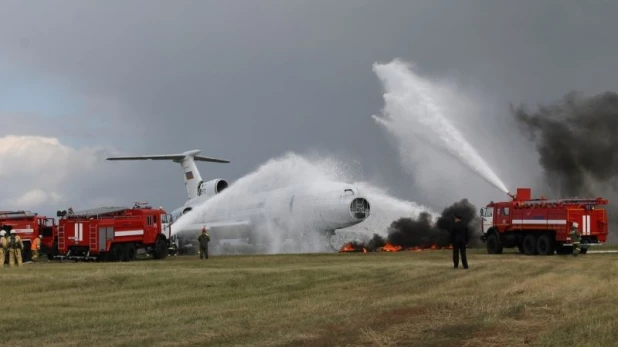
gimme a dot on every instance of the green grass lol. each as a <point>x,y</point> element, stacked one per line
<point>375,299</point>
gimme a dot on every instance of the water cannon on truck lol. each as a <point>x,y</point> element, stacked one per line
<point>541,226</point>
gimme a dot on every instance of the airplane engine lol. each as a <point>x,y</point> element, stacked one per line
<point>212,187</point>
<point>346,212</point>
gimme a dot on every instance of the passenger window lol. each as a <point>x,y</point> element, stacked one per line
<point>506,211</point>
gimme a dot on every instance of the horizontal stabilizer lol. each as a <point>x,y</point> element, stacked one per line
<point>191,175</point>
<point>173,157</point>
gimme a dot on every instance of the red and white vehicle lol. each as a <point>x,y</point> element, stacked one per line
<point>28,226</point>
<point>113,233</point>
<point>542,226</point>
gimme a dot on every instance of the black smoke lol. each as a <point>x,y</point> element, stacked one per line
<point>577,141</point>
<point>424,231</point>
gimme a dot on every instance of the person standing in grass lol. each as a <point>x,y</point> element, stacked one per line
<point>459,240</point>
<point>4,245</point>
<point>35,247</point>
<point>203,239</point>
<point>15,248</point>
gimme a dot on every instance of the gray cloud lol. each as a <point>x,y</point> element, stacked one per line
<point>249,80</point>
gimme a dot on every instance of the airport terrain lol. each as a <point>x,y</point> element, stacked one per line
<point>374,299</point>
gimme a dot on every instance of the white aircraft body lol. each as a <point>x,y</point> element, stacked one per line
<point>294,211</point>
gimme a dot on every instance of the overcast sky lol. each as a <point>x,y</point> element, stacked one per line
<point>251,80</point>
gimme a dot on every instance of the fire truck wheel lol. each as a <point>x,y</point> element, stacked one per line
<point>116,252</point>
<point>53,251</point>
<point>583,251</point>
<point>161,249</point>
<point>545,245</point>
<point>493,244</point>
<point>529,244</point>
<point>129,252</point>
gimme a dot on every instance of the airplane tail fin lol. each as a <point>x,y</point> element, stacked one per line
<point>192,176</point>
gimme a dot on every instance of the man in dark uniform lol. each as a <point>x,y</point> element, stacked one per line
<point>203,240</point>
<point>459,240</point>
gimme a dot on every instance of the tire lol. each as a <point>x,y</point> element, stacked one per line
<point>529,244</point>
<point>130,253</point>
<point>161,250</point>
<point>493,244</point>
<point>53,251</point>
<point>583,250</point>
<point>545,244</point>
<point>116,253</point>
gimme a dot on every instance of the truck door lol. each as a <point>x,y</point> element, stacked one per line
<point>576,215</point>
<point>487,218</point>
<point>106,233</point>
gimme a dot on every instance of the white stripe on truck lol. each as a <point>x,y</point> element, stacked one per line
<point>129,233</point>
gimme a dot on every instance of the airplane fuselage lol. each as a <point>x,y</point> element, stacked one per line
<point>322,206</point>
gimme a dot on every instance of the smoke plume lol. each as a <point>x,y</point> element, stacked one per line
<point>576,141</point>
<point>424,232</point>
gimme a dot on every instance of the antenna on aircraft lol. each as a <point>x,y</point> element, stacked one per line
<point>192,176</point>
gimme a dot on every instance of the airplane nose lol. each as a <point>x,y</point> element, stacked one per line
<point>359,208</point>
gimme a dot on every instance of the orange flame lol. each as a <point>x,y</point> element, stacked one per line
<point>389,247</point>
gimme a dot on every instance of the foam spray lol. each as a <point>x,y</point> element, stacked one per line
<point>298,173</point>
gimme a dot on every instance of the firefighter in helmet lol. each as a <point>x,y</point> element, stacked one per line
<point>575,239</point>
<point>203,239</point>
<point>35,247</point>
<point>3,247</point>
<point>15,248</point>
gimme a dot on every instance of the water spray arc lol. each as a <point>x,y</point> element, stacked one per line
<point>415,106</point>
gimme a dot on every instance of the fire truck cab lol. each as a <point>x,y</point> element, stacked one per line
<point>542,226</point>
<point>28,226</point>
<point>113,233</point>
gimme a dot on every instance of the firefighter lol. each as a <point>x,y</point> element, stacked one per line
<point>575,239</point>
<point>459,240</point>
<point>15,248</point>
<point>3,247</point>
<point>203,239</point>
<point>35,247</point>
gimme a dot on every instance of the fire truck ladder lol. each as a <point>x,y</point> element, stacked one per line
<point>61,244</point>
<point>92,239</point>
<point>574,201</point>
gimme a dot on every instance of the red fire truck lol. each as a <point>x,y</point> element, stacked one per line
<point>28,226</point>
<point>113,233</point>
<point>542,226</point>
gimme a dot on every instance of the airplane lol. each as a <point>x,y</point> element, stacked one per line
<point>299,212</point>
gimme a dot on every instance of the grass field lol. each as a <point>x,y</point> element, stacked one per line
<point>374,299</point>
